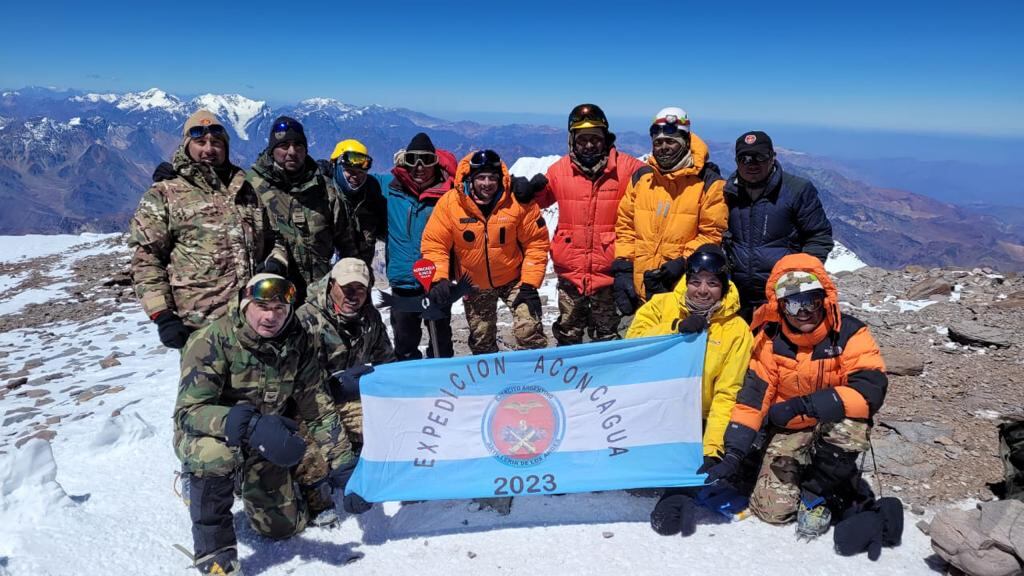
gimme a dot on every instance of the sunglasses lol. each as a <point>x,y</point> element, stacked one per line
<point>200,131</point>
<point>807,302</point>
<point>752,158</point>
<point>485,159</point>
<point>664,127</point>
<point>356,160</point>
<point>411,159</point>
<point>272,290</point>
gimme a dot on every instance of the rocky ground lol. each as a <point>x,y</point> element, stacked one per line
<point>952,339</point>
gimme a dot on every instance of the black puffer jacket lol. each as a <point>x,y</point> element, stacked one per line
<point>787,218</point>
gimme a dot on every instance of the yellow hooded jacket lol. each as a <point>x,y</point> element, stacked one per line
<point>725,360</point>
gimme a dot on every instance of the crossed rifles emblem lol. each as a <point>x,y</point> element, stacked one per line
<point>524,437</point>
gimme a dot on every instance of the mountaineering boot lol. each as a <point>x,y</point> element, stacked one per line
<point>812,519</point>
<point>223,562</point>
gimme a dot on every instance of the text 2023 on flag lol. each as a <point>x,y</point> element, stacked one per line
<point>603,416</point>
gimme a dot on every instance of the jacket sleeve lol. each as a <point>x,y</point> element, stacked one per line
<point>437,241</point>
<point>382,206</point>
<point>204,371</point>
<point>625,231</point>
<point>712,221</point>
<point>755,396</point>
<point>866,381</point>
<point>655,317</point>
<point>316,409</point>
<point>726,386</point>
<point>151,241</point>
<point>813,226</point>
<point>532,234</point>
<point>278,250</point>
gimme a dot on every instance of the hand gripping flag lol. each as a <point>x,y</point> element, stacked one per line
<point>601,416</point>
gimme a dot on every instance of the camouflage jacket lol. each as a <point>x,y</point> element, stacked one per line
<point>308,215</point>
<point>342,343</point>
<point>227,363</point>
<point>196,241</point>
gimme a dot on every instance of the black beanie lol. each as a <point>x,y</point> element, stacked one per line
<point>420,143</point>
<point>292,132</point>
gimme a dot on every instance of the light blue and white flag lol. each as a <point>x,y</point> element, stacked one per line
<point>601,416</point>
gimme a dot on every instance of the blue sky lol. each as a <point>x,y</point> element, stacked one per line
<point>898,66</point>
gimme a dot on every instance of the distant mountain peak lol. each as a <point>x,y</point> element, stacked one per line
<point>152,99</point>
<point>234,109</point>
<point>314,104</point>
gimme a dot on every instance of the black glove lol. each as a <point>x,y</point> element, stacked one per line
<point>709,463</point>
<point>781,413</point>
<point>725,469</point>
<point>272,266</point>
<point>526,190</point>
<point>273,436</point>
<point>860,532</point>
<point>528,295</point>
<point>164,171</point>
<point>692,324</point>
<point>673,512</point>
<point>664,278</point>
<point>173,332</point>
<point>351,503</point>
<point>623,289</point>
<point>344,385</point>
<point>441,293</point>
<point>825,405</point>
<point>326,168</point>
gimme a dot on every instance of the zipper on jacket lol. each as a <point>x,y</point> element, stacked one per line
<point>487,250</point>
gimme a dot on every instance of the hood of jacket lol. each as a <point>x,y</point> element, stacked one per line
<point>769,312</point>
<point>445,163</point>
<point>197,173</point>
<point>700,153</point>
<point>730,302</point>
<point>462,183</point>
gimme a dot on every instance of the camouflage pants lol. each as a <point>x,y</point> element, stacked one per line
<point>311,473</point>
<point>776,494</point>
<point>594,315</point>
<point>482,317</point>
<point>270,493</point>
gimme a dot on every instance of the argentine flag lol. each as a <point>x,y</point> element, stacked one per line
<point>600,416</point>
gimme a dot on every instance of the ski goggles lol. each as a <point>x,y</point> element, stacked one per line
<point>411,159</point>
<point>356,160</point>
<point>286,125</point>
<point>485,159</point>
<point>215,130</point>
<point>706,262</point>
<point>808,302</point>
<point>746,159</point>
<point>272,290</point>
<point>587,116</point>
<point>669,125</point>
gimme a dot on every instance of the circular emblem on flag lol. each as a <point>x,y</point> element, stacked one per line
<point>750,139</point>
<point>523,425</point>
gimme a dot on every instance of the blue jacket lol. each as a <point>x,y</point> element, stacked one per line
<point>786,219</point>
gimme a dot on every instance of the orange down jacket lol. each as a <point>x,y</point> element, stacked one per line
<point>664,216</point>
<point>510,245</point>
<point>840,354</point>
<point>583,247</point>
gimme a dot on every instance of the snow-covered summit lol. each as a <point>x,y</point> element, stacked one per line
<point>234,109</point>
<point>842,259</point>
<point>109,98</point>
<point>151,99</point>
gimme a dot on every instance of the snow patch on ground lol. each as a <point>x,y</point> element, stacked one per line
<point>16,248</point>
<point>28,482</point>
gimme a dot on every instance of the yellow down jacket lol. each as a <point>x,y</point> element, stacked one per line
<point>725,360</point>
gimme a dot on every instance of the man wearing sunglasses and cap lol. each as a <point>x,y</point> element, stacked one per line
<point>198,234</point>
<point>350,338</point>
<point>816,380</point>
<point>587,185</point>
<point>771,214</point>
<point>672,206</point>
<point>361,198</point>
<point>302,203</point>
<point>480,230</point>
<point>422,174</point>
<point>250,379</point>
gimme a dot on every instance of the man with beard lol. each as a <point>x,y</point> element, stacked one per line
<point>198,235</point>
<point>771,214</point>
<point>304,208</point>
<point>587,185</point>
<point>672,206</point>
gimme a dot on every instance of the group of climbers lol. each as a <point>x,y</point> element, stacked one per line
<point>248,261</point>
